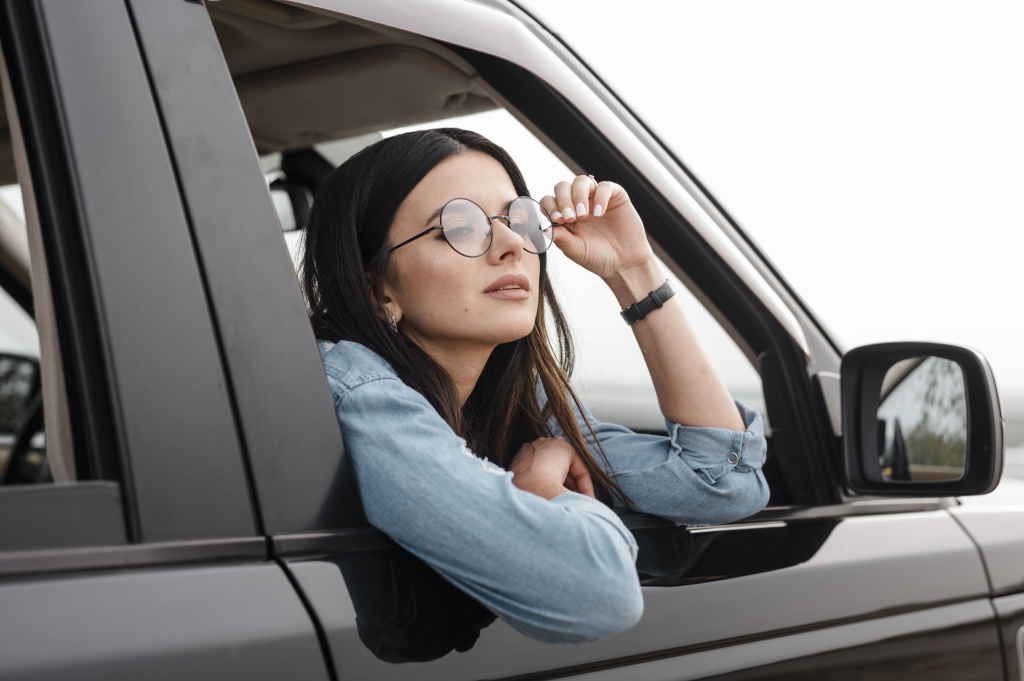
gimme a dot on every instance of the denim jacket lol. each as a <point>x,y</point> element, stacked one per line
<point>558,570</point>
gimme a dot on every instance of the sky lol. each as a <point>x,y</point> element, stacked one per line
<point>874,150</point>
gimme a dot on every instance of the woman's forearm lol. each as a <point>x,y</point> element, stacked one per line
<point>689,389</point>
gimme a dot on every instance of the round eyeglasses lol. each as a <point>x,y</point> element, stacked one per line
<point>467,228</point>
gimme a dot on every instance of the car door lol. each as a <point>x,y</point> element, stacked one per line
<point>820,584</point>
<point>145,559</point>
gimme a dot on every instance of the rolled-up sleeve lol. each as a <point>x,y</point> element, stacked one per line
<point>559,570</point>
<point>693,476</point>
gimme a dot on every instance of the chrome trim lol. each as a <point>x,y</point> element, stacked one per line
<point>745,526</point>
<point>475,26</point>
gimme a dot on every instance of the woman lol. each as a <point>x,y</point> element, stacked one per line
<point>425,277</point>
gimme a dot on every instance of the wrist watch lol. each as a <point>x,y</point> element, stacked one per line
<point>652,302</point>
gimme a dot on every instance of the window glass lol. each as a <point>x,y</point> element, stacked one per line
<point>19,357</point>
<point>35,441</point>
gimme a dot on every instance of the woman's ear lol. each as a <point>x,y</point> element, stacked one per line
<point>387,303</point>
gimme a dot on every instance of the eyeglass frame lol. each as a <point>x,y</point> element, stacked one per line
<point>490,221</point>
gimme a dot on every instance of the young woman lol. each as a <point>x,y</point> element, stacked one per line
<point>424,270</point>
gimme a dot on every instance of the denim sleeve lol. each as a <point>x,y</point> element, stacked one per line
<point>559,570</point>
<point>694,476</point>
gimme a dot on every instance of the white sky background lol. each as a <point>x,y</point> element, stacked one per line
<point>875,150</point>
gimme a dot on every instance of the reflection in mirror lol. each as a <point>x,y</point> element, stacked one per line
<point>922,421</point>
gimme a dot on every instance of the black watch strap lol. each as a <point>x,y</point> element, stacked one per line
<point>652,302</point>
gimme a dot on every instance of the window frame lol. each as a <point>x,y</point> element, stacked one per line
<point>182,491</point>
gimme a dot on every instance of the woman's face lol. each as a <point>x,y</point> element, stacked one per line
<point>445,301</point>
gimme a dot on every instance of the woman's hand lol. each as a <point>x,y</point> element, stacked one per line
<point>548,466</point>
<point>597,227</point>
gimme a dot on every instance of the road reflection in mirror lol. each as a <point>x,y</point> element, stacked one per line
<point>922,421</point>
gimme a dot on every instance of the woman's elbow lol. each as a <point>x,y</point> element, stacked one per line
<point>731,497</point>
<point>617,610</point>
<point>601,600</point>
<point>747,498</point>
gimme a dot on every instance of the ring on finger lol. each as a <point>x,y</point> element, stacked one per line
<point>593,179</point>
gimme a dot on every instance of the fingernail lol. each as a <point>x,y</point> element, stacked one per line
<point>598,211</point>
<point>569,215</point>
<point>556,215</point>
<point>581,210</point>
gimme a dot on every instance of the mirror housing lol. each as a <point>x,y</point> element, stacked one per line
<point>862,374</point>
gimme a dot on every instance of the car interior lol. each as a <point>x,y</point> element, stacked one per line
<point>314,89</point>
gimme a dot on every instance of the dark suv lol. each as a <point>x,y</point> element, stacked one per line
<point>176,500</point>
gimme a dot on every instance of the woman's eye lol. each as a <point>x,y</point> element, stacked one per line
<point>460,231</point>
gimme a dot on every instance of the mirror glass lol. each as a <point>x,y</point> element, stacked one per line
<point>922,421</point>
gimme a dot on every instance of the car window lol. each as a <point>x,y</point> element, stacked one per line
<point>610,372</point>
<point>36,440</point>
<point>311,105</point>
<point>19,356</point>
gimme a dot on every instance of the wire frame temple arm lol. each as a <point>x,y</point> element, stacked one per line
<point>423,233</point>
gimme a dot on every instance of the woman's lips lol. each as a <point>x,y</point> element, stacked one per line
<point>509,294</point>
<point>510,287</point>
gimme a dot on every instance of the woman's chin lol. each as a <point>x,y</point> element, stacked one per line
<point>507,333</point>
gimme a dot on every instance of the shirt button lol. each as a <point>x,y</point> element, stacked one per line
<point>733,457</point>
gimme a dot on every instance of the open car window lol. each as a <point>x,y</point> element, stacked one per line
<point>610,374</point>
<point>317,88</point>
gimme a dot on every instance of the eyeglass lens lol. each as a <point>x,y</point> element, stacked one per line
<point>466,227</point>
<point>528,220</point>
<point>468,230</point>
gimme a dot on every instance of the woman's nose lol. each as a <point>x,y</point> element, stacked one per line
<point>505,243</point>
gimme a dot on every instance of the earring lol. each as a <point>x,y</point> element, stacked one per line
<point>392,322</point>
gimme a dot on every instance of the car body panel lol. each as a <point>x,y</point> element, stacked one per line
<point>871,578</point>
<point>194,623</point>
<point>999,533</point>
<point>1010,610</point>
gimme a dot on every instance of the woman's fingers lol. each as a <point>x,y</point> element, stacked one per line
<point>564,203</point>
<point>549,462</point>
<point>602,195</point>
<point>582,188</point>
<point>583,196</point>
<point>548,204</point>
<point>578,478</point>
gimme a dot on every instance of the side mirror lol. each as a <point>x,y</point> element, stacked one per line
<point>920,419</point>
<point>19,380</point>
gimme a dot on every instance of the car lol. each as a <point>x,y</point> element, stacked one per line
<point>177,502</point>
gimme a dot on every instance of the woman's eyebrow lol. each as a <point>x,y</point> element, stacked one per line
<point>433,216</point>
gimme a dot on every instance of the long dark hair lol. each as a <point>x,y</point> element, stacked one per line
<point>345,259</point>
